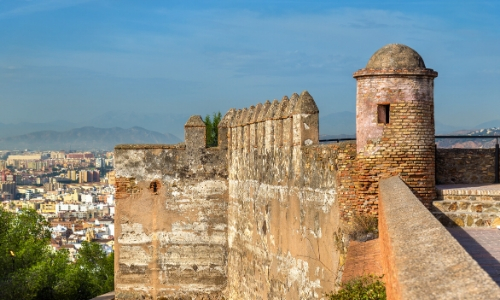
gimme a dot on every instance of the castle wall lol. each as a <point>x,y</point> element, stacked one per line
<point>405,145</point>
<point>465,166</point>
<point>171,220</point>
<point>283,213</point>
<point>260,216</point>
<point>256,218</point>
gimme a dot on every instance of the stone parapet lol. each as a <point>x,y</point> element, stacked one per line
<point>195,135</point>
<point>457,166</point>
<point>255,217</point>
<point>421,260</point>
<point>285,192</point>
<point>468,205</point>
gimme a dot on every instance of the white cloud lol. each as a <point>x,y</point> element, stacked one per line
<point>31,7</point>
<point>240,57</point>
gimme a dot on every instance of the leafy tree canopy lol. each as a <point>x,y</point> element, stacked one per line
<point>31,270</point>
<point>211,128</point>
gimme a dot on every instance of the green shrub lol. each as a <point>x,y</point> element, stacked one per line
<point>368,287</point>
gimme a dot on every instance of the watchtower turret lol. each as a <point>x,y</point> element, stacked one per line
<point>395,121</point>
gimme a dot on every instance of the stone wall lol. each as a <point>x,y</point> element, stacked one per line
<point>256,218</point>
<point>421,260</point>
<point>283,193</point>
<point>171,219</point>
<point>455,166</point>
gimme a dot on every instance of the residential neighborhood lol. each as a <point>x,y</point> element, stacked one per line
<point>74,191</point>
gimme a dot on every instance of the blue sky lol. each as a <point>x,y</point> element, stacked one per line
<point>70,60</point>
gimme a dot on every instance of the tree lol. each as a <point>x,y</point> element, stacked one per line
<point>24,239</point>
<point>212,128</point>
<point>91,275</point>
<point>30,269</point>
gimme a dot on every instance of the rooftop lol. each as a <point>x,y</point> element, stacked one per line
<point>396,56</point>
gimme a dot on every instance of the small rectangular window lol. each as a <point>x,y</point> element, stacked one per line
<point>383,113</point>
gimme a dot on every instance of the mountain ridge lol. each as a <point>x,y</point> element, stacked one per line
<point>86,138</point>
<point>336,125</point>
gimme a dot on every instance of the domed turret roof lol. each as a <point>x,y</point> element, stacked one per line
<point>396,56</point>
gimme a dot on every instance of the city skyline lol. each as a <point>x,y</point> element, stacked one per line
<point>66,60</point>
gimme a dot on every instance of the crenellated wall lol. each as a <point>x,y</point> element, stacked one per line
<point>283,215</point>
<point>257,217</point>
<point>260,216</point>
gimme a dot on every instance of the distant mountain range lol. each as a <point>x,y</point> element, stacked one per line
<point>85,138</point>
<point>164,123</point>
<point>106,130</point>
<point>471,143</point>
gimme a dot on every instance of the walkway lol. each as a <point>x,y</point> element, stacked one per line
<point>470,186</point>
<point>483,244</point>
<point>363,258</point>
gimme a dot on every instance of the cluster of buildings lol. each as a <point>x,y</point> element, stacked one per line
<point>73,191</point>
<point>69,233</point>
<point>52,170</point>
<point>41,161</point>
<point>76,213</point>
<point>82,201</point>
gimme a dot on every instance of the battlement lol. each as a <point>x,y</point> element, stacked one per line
<point>290,122</point>
<point>260,216</point>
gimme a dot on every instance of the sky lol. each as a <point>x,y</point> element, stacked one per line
<point>72,59</point>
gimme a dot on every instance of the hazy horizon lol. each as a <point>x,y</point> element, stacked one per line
<point>74,60</point>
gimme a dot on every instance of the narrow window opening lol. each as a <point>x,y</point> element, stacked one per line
<point>383,113</point>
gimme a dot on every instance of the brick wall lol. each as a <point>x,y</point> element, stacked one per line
<point>405,145</point>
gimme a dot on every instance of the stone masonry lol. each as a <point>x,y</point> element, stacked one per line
<point>213,222</point>
<point>457,166</point>
<point>282,212</point>
<point>260,216</point>
<point>171,216</point>
<point>466,193</point>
